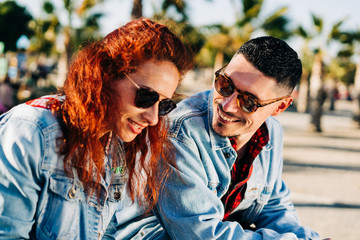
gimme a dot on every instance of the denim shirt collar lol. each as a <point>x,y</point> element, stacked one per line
<point>217,141</point>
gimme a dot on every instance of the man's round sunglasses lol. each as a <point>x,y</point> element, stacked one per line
<point>146,97</point>
<point>246,101</point>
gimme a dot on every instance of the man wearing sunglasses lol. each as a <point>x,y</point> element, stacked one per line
<point>227,182</point>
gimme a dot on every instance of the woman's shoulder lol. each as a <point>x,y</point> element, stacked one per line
<point>34,112</point>
<point>31,132</point>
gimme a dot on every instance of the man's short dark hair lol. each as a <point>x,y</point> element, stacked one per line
<point>274,58</point>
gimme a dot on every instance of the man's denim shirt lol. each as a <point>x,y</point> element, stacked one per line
<point>37,199</point>
<point>190,205</point>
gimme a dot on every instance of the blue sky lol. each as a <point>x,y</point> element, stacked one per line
<point>204,12</point>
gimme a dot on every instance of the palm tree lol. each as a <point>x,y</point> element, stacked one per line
<point>354,40</point>
<point>179,5</point>
<point>351,42</point>
<point>223,41</point>
<point>356,111</point>
<point>316,91</point>
<point>73,37</point>
<point>14,22</point>
<point>307,56</point>
<point>190,35</point>
<point>342,68</point>
<point>46,30</point>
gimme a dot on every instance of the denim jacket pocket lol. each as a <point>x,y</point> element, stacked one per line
<point>60,219</point>
<point>117,188</point>
<point>252,194</point>
<point>213,186</point>
<point>265,195</point>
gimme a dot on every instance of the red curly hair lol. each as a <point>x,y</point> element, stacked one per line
<point>89,105</point>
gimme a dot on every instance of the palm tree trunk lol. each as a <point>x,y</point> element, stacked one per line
<point>302,103</point>
<point>137,9</point>
<point>62,70</point>
<point>317,94</point>
<point>356,108</point>
<point>68,44</point>
<point>219,60</point>
<point>332,93</point>
<point>68,32</point>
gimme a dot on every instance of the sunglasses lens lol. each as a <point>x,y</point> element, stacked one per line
<point>145,98</point>
<point>223,86</point>
<point>247,103</point>
<point>226,88</point>
<point>166,106</point>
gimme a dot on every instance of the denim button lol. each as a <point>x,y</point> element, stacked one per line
<point>226,155</point>
<point>72,193</point>
<point>117,195</point>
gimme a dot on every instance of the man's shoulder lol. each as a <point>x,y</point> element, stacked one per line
<point>190,113</point>
<point>192,106</point>
<point>272,122</point>
<point>274,127</point>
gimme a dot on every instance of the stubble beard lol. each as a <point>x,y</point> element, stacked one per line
<point>222,129</point>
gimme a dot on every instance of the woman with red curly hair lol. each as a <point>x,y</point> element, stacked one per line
<point>67,160</point>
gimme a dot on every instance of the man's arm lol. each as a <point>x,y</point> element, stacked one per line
<point>189,209</point>
<point>279,213</point>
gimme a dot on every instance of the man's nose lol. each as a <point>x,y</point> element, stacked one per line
<point>229,104</point>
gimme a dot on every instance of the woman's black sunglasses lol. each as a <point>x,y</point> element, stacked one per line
<point>146,97</point>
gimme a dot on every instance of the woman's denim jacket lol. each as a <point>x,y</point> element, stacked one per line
<point>37,199</point>
<point>190,205</point>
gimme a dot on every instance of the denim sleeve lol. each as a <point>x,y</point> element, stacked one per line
<point>190,210</point>
<point>279,213</point>
<point>21,153</point>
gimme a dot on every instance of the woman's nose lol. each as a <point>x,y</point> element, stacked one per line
<point>151,114</point>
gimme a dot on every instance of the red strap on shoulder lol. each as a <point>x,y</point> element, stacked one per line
<point>44,102</point>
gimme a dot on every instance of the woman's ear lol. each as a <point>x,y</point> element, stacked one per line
<point>282,106</point>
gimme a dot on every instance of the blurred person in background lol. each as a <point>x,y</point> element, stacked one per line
<point>67,160</point>
<point>7,95</point>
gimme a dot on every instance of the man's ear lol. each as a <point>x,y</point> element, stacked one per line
<point>282,106</point>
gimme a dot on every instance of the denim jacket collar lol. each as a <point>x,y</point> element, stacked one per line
<point>217,142</point>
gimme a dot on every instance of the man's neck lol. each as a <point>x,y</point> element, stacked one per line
<point>242,151</point>
<point>242,142</point>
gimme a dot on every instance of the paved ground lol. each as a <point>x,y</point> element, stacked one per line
<point>323,172</point>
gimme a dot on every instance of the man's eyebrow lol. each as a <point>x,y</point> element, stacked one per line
<point>251,95</point>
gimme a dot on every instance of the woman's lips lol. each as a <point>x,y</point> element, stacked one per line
<point>136,127</point>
